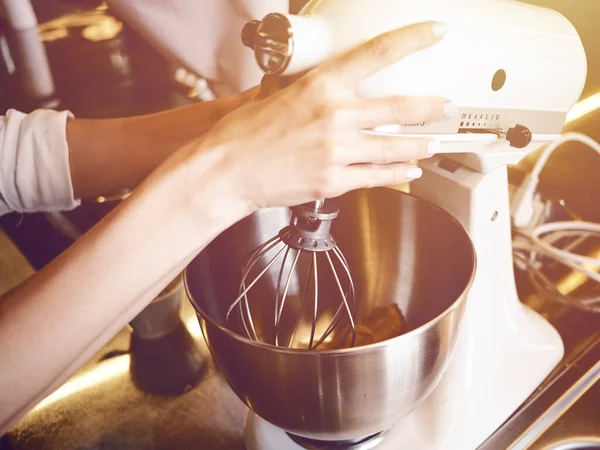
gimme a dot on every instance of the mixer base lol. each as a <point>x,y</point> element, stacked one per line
<point>366,443</point>
<point>504,350</point>
<point>261,435</point>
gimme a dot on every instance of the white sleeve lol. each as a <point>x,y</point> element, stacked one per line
<point>34,162</point>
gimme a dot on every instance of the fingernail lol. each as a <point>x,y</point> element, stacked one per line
<point>450,110</point>
<point>414,173</point>
<point>433,147</point>
<point>440,29</point>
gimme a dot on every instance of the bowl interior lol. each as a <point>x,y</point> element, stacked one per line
<point>410,261</point>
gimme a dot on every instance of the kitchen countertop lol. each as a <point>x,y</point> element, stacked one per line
<point>103,408</point>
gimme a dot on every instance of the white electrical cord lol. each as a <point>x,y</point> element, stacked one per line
<point>547,288</point>
<point>533,243</point>
<point>522,203</point>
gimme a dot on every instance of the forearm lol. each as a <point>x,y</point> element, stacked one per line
<point>109,155</point>
<point>62,316</point>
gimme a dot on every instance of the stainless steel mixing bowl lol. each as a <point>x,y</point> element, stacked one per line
<point>401,250</point>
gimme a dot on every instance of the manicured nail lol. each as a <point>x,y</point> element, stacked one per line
<point>440,29</point>
<point>433,147</point>
<point>450,110</point>
<point>414,173</point>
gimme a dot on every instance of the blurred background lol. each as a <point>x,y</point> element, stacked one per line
<point>129,57</point>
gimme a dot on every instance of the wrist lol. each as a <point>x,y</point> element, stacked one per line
<point>203,193</point>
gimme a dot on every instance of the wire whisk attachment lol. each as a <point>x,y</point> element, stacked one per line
<point>307,239</point>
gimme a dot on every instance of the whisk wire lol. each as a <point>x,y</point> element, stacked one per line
<point>313,266</point>
<point>284,296</point>
<point>303,297</point>
<point>352,291</point>
<point>251,256</point>
<point>346,266</point>
<point>250,320</point>
<point>344,306</point>
<point>247,272</point>
<point>253,259</point>
<point>278,292</point>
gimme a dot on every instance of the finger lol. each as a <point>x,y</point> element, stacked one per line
<point>383,51</point>
<point>402,110</point>
<point>386,150</point>
<point>375,175</point>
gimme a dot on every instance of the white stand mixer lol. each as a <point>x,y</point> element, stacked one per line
<point>504,63</point>
<point>504,350</point>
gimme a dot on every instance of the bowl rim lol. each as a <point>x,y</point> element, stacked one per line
<point>352,350</point>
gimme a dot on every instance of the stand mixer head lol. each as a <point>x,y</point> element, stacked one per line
<point>515,71</point>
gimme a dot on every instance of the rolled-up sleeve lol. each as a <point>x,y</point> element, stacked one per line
<point>34,162</point>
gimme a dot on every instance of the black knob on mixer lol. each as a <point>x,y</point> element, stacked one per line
<point>249,33</point>
<point>519,136</point>
<point>272,42</point>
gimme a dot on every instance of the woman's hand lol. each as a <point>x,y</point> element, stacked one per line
<point>305,142</point>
